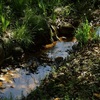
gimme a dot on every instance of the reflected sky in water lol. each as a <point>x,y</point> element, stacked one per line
<point>60,50</point>
<point>26,82</point>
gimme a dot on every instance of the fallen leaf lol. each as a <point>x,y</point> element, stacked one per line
<point>56,98</point>
<point>96,95</point>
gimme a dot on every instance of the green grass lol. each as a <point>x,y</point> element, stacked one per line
<point>24,12</point>
<point>4,23</point>
<point>84,33</point>
<point>27,18</point>
<point>22,35</point>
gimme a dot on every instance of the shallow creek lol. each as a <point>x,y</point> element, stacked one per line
<point>20,81</point>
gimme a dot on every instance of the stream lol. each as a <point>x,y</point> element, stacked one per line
<point>21,81</point>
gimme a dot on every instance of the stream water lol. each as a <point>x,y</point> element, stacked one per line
<point>98,31</point>
<point>21,81</point>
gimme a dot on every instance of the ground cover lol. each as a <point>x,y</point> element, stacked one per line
<point>78,79</point>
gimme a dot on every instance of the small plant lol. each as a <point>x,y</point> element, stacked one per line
<point>43,7</point>
<point>83,33</point>
<point>22,35</point>
<point>4,23</point>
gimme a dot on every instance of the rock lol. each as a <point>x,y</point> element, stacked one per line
<point>17,53</point>
<point>41,30</point>
<point>67,27</point>
<point>75,47</point>
<point>59,61</point>
<point>64,26</point>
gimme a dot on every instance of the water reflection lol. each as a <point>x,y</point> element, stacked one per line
<point>22,81</point>
<point>25,82</point>
<point>98,31</point>
<point>60,50</point>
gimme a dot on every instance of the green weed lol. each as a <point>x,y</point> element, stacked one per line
<point>22,35</point>
<point>4,23</point>
<point>83,33</point>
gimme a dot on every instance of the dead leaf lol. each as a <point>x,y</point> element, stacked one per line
<point>96,95</point>
<point>57,99</point>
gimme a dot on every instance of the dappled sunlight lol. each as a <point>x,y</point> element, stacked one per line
<point>22,80</point>
<point>49,50</point>
<point>77,79</point>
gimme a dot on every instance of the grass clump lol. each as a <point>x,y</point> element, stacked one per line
<point>22,35</point>
<point>85,33</point>
<point>4,23</point>
<point>82,33</point>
